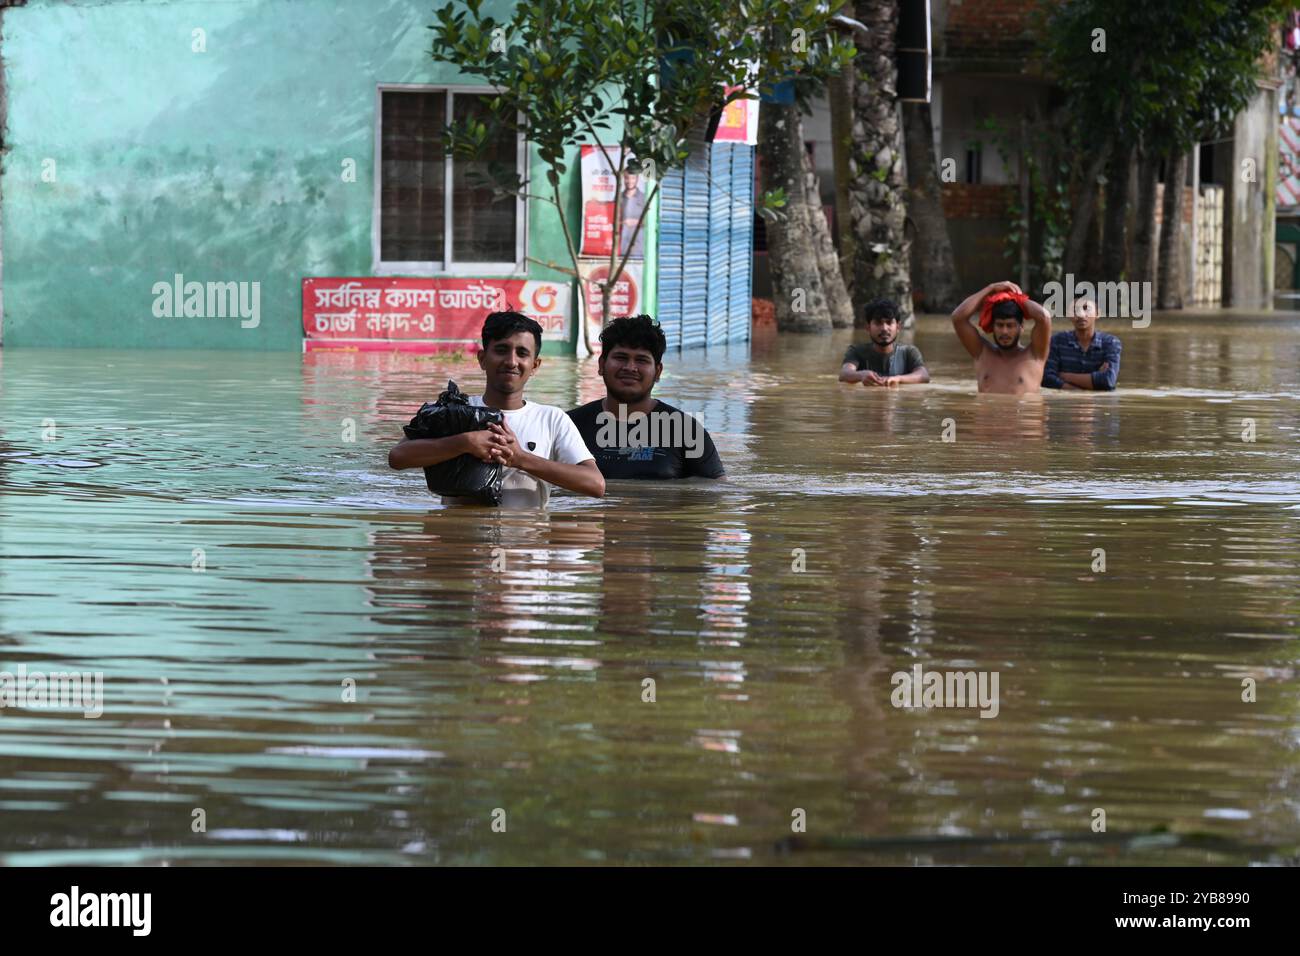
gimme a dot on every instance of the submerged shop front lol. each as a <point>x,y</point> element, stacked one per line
<point>446,251</point>
<point>217,187</point>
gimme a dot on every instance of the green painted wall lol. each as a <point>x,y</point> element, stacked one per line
<point>223,165</point>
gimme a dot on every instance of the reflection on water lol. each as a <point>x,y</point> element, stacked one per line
<point>333,668</point>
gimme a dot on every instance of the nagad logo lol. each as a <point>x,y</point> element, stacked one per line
<point>544,298</point>
<point>623,297</point>
<point>626,284</point>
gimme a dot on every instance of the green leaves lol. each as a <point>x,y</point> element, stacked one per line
<point>1175,72</point>
<point>573,66</point>
<point>771,205</point>
<point>644,76</point>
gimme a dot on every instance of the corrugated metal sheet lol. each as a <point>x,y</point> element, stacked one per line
<point>672,207</point>
<point>705,247</point>
<point>695,253</point>
<point>740,309</point>
<point>719,281</point>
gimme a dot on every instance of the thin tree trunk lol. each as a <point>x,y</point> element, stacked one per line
<point>828,264</point>
<point>1144,235</point>
<point>877,191</point>
<point>1026,204</point>
<point>1169,291</point>
<point>1130,208</point>
<point>797,289</point>
<point>840,96</point>
<point>1076,245</point>
<point>1092,255</point>
<point>1114,244</point>
<point>934,269</point>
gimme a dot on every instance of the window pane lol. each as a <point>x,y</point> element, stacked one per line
<point>482,229</point>
<point>413,171</point>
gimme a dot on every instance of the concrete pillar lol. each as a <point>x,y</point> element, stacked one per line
<point>1251,207</point>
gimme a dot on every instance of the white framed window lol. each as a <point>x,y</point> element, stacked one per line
<point>430,216</point>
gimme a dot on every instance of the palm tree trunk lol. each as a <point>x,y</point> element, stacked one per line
<point>878,189</point>
<point>934,270</point>
<point>797,290</point>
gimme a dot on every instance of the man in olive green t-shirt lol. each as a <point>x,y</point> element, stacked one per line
<point>881,361</point>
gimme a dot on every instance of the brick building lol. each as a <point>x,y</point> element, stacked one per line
<point>982,73</point>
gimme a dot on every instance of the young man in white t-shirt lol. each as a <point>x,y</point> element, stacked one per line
<point>537,444</point>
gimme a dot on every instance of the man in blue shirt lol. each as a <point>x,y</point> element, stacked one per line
<point>1084,358</point>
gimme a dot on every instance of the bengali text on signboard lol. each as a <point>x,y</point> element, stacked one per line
<point>423,314</point>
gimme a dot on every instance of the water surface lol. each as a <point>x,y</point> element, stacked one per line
<point>521,689</point>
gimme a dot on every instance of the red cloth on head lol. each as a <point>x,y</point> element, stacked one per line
<point>986,313</point>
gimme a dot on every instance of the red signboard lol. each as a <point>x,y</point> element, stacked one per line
<point>601,190</point>
<point>624,298</point>
<point>422,314</point>
<point>739,122</point>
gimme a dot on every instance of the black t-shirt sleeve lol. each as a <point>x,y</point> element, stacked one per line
<point>851,356</point>
<point>914,360</point>
<point>584,417</point>
<point>709,464</point>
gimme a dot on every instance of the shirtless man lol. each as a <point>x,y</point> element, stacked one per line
<point>1004,365</point>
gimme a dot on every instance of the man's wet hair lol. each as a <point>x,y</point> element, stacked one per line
<point>882,309</point>
<point>1008,309</point>
<point>634,332</point>
<point>502,325</point>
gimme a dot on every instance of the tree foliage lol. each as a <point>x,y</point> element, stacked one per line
<point>641,75</point>
<point>1159,75</point>
<point>1172,72</point>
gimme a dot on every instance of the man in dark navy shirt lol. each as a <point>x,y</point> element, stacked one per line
<point>630,433</point>
<point>1084,358</point>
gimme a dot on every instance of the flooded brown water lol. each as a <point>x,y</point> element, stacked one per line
<point>203,533</point>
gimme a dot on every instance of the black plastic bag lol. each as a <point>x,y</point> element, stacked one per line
<point>463,476</point>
